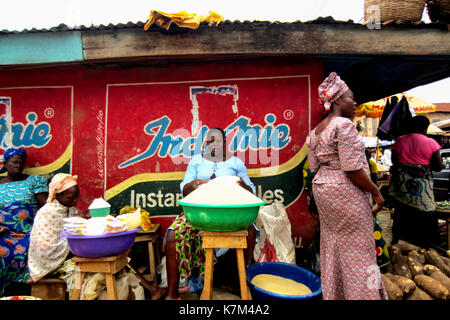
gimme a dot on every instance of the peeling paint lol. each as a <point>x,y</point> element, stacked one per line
<point>6,103</point>
<point>222,90</point>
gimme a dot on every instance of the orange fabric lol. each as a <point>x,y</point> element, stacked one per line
<point>182,19</point>
<point>59,183</point>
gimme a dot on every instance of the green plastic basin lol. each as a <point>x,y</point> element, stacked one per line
<point>99,212</point>
<point>221,218</point>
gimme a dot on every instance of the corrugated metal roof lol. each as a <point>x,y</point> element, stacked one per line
<point>140,24</point>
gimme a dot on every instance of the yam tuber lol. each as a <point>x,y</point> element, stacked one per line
<point>414,264</point>
<point>435,259</point>
<point>446,260</point>
<point>428,269</point>
<point>437,274</point>
<point>393,291</point>
<point>422,258</point>
<point>405,247</point>
<point>399,262</point>
<point>405,284</point>
<point>419,294</point>
<point>432,286</point>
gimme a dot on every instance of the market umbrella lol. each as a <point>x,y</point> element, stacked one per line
<point>432,129</point>
<point>374,109</point>
<point>373,142</point>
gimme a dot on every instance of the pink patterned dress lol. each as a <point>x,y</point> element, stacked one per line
<point>348,262</point>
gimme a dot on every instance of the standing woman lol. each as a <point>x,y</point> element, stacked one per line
<point>414,157</point>
<point>20,198</point>
<point>342,190</point>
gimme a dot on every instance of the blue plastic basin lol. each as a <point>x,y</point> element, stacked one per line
<point>285,270</point>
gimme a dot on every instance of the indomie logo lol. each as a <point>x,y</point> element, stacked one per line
<point>32,134</point>
<point>246,136</point>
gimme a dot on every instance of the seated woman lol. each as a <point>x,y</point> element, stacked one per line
<point>183,243</point>
<point>48,250</point>
<point>21,196</point>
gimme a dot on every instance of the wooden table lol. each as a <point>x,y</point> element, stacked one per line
<point>152,237</point>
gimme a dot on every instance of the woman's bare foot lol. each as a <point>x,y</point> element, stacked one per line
<point>158,293</point>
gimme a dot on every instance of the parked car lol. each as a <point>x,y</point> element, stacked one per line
<point>441,179</point>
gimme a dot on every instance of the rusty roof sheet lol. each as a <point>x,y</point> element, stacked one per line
<point>140,24</point>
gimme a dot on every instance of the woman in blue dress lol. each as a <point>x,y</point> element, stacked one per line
<point>21,196</point>
<point>183,249</point>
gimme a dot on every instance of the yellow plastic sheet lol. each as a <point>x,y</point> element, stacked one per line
<point>182,19</point>
<point>146,223</point>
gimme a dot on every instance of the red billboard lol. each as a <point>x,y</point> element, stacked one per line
<point>129,133</point>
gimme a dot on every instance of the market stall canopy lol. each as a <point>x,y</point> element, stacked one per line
<point>373,142</point>
<point>374,109</point>
<point>432,129</point>
<point>374,63</point>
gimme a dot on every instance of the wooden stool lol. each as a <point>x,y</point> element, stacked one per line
<point>212,240</point>
<point>49,289</point>
<point>152,237</point>
<point>109,266</point>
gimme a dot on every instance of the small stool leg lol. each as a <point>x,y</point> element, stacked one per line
<point>241,271</point>
<point>208,283</point>
<point>76,292</point>
<point>152,263</point>
<point>111,286</point>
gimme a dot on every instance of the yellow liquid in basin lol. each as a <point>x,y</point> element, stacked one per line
<point>280,285</point>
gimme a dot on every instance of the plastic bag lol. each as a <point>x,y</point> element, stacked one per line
<point>146,223</point>
<point>94,287</point>
<point>125,282</point>
<point>162,271</point>
<point>275,239</point>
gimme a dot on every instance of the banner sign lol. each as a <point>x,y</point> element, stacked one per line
<point>266,121</point>
<point>38,119</point>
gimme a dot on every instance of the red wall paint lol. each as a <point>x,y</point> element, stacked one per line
<point>101,112</point>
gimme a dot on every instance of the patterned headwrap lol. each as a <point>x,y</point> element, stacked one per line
<point>59,183</point>
<point>331,89</point>
<point>10,152</point>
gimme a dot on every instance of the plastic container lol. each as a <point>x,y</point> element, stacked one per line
<point>104,245</point>
<point>221,218</point>
<point>285,270</point>
<point>100,212</point>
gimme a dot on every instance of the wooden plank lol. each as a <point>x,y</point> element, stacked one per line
<point>111,286</point>
<point>270,39</point>
<point>242,275</point>
<point>208,282</point>
<point>224,242</point>
<point>49,290</point>
<point>103,267</point>
<point>119,264</point>
<point>150,237</point>
<point>154,228</point>
<point>31,48</point>
<point>242,233</point>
